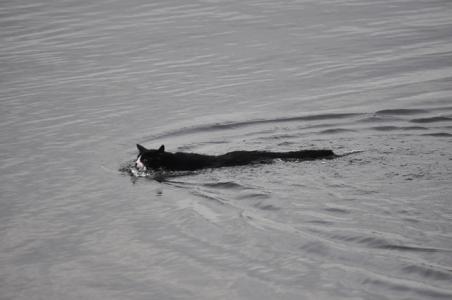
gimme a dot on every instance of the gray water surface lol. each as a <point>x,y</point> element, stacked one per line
<point>81,82</point>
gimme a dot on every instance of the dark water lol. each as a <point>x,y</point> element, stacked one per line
<point>82,82</point>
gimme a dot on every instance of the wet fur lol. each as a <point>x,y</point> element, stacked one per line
<point>179,161</point>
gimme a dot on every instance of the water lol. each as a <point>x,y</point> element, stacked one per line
<point>82,82</point>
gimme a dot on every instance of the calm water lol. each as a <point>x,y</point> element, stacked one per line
<point>81,82</point>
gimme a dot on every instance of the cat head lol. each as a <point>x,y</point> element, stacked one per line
<point>149,158</point>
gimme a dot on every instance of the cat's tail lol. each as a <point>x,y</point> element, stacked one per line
<point>306,154</point>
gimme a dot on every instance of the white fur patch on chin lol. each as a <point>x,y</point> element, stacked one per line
<point>139,164</point>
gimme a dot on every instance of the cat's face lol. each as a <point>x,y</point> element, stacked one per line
<point>149,158</point>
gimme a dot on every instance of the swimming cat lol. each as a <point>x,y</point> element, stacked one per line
<point>155,159</point>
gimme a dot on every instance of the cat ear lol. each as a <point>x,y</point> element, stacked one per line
<point>162,148</point>
<point>141,148</point>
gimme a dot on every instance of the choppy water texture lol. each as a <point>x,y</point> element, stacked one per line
<point>81,82</point>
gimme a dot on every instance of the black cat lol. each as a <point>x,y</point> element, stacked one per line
<point>179,161</point>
